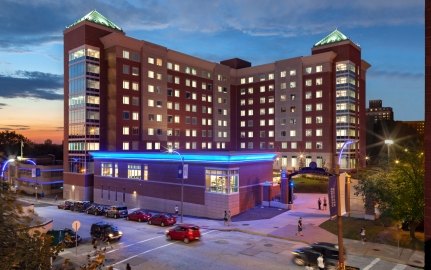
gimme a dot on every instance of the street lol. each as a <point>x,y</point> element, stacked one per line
<point>144,247</point>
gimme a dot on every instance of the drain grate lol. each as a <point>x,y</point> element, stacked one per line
<point>268,245</point>
<point>245,224</point>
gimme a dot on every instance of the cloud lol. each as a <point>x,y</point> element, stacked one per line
<point>34,84</point>
<point>387,74</point>
<point>14,127</point>
<point>2,105</point>
<point>40,22</point>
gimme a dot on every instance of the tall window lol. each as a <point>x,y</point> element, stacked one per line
<point>222,181</point>
<point>106,169</point>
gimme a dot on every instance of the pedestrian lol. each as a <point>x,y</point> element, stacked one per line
<point>320,262</point>
<point>319,204</point>
<point>225,218</point>
<point>362,234</point>
<point>128,267</point>
<point>325,203</point>
<point>55,198</point>
<point>176,210</point>
<point>299,231</point>
<point>229,218</point>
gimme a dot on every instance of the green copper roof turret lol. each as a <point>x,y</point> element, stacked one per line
<point>335,36</point>
<point>98,18</point>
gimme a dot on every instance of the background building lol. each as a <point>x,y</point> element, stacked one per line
<point>128,95</point>
<point>376,112</point>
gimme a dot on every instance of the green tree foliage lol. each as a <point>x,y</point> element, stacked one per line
<point>20,249</point>
<point>398,190</point>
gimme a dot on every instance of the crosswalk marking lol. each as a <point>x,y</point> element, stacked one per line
<point>399,267</point>
<point>376,260</point>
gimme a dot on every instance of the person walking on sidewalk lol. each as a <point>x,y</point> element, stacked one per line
<point>362,234</point>
<point>320,262</point>
<point>225,218</point>
<point>325,203</point>
<point>176,210</point>
<point>229,218</point>
<point>319,204</point>
<point>128,267</point>
<point>299,231</point>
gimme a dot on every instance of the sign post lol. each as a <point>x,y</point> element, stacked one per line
<point>75,226</point>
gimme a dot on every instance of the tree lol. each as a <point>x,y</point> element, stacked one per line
<point>397,190</point>
<point>19,248</point>
<point>10,143</point>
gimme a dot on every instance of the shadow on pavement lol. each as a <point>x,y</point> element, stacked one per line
<point>259,212</point>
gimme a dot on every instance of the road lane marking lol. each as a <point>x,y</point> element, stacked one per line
<point>147,251</point>
<point>146,240</point>
<point>376,260</point>
<point>399,267</point>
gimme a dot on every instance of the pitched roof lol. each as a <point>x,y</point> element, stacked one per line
<point>334,37</point>
<point>95,17</point>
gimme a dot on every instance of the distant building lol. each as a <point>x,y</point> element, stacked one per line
<point>127,95</point>
<point>376,111</point>
<point>419,126</point>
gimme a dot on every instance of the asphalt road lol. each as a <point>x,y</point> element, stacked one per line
<point>144,247</point>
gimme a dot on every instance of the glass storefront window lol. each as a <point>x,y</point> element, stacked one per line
<point>222,181</point>
<point>106,169</point>
<point>134,171</point>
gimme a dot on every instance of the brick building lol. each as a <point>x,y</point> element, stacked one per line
<point>128,95</point>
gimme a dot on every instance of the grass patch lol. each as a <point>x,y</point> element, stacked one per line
<point>377,231</point>
<point>306,184</point>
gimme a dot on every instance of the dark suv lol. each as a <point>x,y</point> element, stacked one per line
<point>308,255</point>
<point>105,231</point>
<point>117,212</point>
<point>80,206</point>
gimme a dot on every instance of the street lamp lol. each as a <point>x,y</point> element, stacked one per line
<point>389,142</point>
<point>341,264</point>
<point>171,150</point>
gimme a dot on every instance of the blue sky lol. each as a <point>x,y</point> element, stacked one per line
<point>390,33</point>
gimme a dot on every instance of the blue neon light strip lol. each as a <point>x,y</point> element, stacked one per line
<point>190,158</point>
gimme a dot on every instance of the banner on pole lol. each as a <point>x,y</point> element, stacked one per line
<point>333,195</point>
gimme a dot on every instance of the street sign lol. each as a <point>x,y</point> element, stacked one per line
<point>76,225</point>
<point>35,172</point>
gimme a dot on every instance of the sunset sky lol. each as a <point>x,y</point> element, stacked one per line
<point>390,33</point>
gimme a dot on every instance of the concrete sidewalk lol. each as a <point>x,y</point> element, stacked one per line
<point>284,225</point>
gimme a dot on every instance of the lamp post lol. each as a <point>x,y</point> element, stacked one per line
<point>389,142</point>
<point>341,264</point>
<point>171,150</point>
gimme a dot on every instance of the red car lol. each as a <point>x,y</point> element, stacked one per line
<point>139,215</point>
<point>184,232</point>
<point>162,220</point>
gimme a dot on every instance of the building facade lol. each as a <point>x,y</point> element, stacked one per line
<point>128,95</point>
<point>376,112</point>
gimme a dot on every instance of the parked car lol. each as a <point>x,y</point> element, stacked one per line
<point>139,215</point>
<point>309,254</point>
<point>66,236</point>
<point>97,209</point>
<point>184,232</point>
<point>117,212</point>
<point>162,220</point>
<point>67,205</point>
<point>105,231</point>
<point>80,206</point>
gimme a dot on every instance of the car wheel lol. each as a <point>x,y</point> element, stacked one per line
<point>168,237</point>
<point>299,261</point>
<point>139,220</point>
<point>186,240</point>
<point>149,222</point>
<point>162,224</point>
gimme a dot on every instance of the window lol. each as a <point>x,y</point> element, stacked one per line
<point>126,85</point>
<point>135,86</point>
<point>134,171</point>
<point>319,145</point>
<point>319,132</point>
<point>222,180</point>
<point>319,94</point>
<point>292,72</point>
<point>292,133</point>
<point>308,132</point>
<point>135,116</point>
<point>308,82</point>
<point>151,60</point>
<point>126,115</point>
<point>126,130</point>
<point>319,106</point>
<point>283,74</point>
<point>319,68</point>
<point>135,101</point>
<point>106,169</point>
<point>319,119</point>
<point>308,70</point>
<point>135,71</point>
<point>126,100</point>
<point>294,145</point>
<point>307,145</point>
<point>126,69</point>
<point>308,95</point>
<point>126,146</point>
<point>126,54</point>
<point>319,81</point>
<point>308,107</point>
